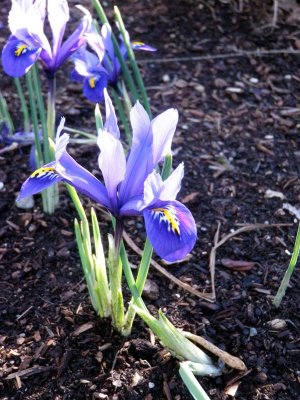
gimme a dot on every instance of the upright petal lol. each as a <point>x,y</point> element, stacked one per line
<point>171,230</point>
<point>106,37</point>
<point>163,129</point>
<point>76,40</point>
<point>112,163</point>
<point>111,123</point>
<point>58,16</point>
<point>156,189</point>
<point>139,163</point>
<point>18,57</point>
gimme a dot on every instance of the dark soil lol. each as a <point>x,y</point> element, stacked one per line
<point>238,136</point>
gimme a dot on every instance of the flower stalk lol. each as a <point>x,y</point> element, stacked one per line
<point>288,273</point>
<point>24,108</point>
<point>131,56</point>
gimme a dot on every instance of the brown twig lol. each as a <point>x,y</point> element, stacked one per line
<point>164,272</point>
<point>238,53</point>
<point>233,362</point>
<point>210,297</point>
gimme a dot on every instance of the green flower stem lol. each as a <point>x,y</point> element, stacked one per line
<point>126,74</point>
<point>24,107</point>
<point>34,118</point>
<point>42,113</point>
<point>146,257</point>
<point>5,113</point>
<point>46,194</point>
<point>132,60</point>
<point>115,279</point>
<point>93,265</point>
<point>122,115</point>
<point>79,132</point>
<point>100,268</point>
<point>98,118</point>
<point>191,382</point>
<point>51,107</point>
<point>288,273</point>
<point>86,266</point>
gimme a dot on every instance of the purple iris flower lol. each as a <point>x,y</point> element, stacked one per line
<point>28,43</point>
<point>131,186</point>
<point>97,72</point>
<point>89,71</point>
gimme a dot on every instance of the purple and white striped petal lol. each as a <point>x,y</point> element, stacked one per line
<point>58,16</point>
<point>39,180</point>
<point>111,123</point>
<point>112,163</point>
<point>142,46</point>
<point>76,40</point>
<point>163,129</point>
<point>138,167</point>
<point>156,189</point>
<point>171,230</point>
<point>18,57</point>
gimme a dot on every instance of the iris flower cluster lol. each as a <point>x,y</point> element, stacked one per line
<point>98,71</point>
<point>28,42</point>
<point>132,186</point>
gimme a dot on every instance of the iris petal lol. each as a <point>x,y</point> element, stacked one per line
<point>58,16</point>
<point>18,57</point>
<point>93,87</point>
<point>111,149</point>
<point>163,129</point>
<point>111,123</point>
<point>171,230</point>
<point>40,180</point>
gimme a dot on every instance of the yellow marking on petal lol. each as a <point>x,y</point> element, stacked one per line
<point>170,218</point>
<point>42,171</point>
<point>92,82</point>
<point>138,43</point>
<point>21,49</point>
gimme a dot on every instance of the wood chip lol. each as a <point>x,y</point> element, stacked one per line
<point>83,328</point>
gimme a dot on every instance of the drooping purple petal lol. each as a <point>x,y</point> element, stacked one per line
<point>26,22</point>
<point>18,57</point>
<point>171,230</point>
<point>112,163</point>
<point>142,46</point>
<point>66,169</point>
<point>93,87</point>
<point>58,16</point>
<point>39,180</point>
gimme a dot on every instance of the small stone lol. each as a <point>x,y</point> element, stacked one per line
<point>151,385</point>
<point>151,290</point>
<point>200,88</point>
<point>1,185</point>
<point>254,80</point>
<point>220,83</point>
<point>261,377</point>
<point>166,78</point>
<point>235,90</point>
<point>277,324</point>
<point>25,203</point>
